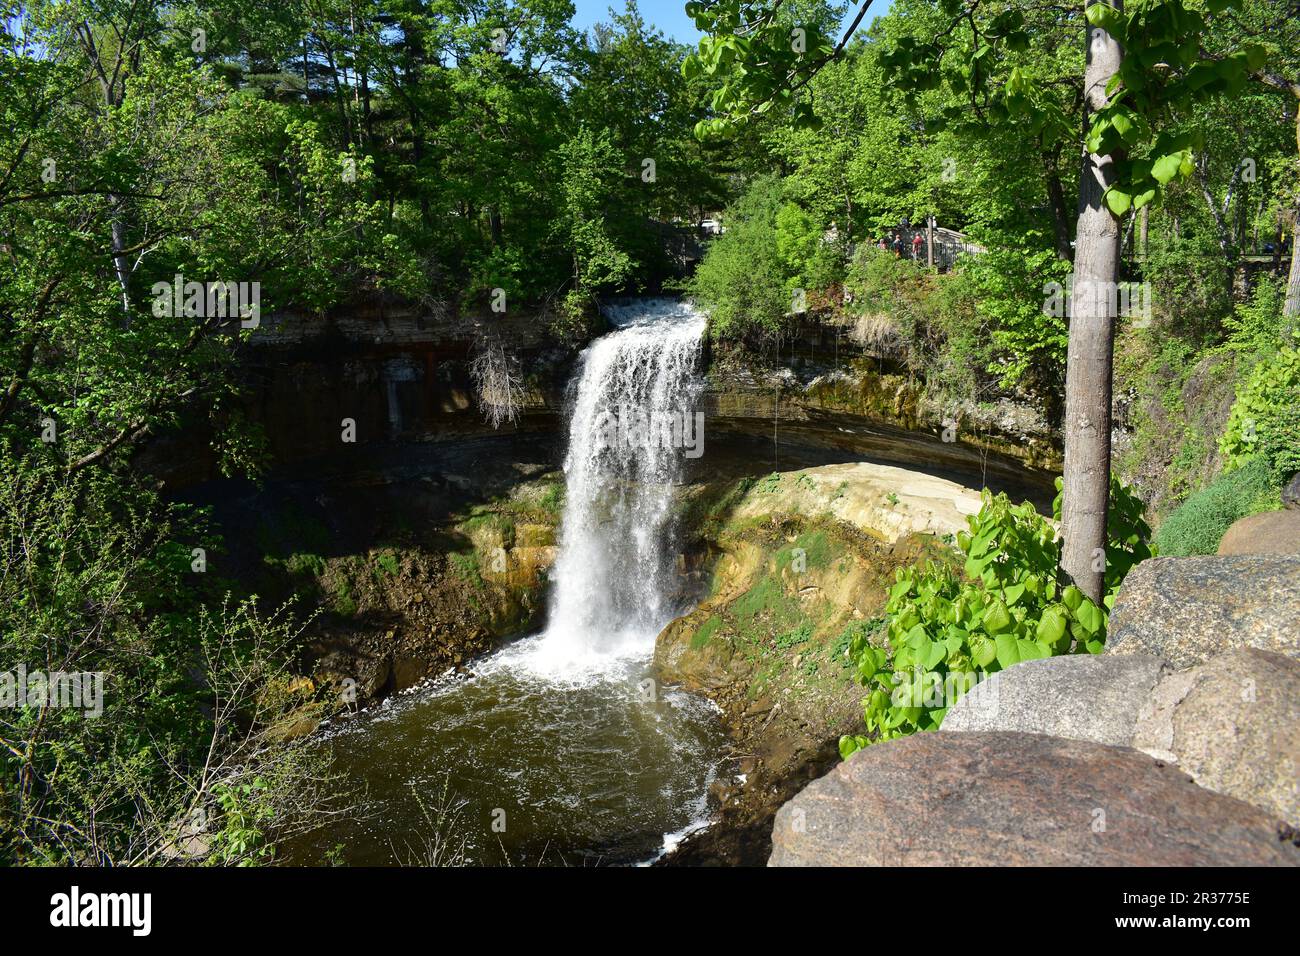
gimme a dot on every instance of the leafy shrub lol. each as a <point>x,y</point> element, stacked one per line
<point>880,282</point>
<point>948,628</point>
<point>1188,286</point>
<point>931,320</point>
<point>1265,418</point>
<point>1259,324</point>
<point>1197,526</point>
<point>742,280</point>
<point>1011,284</point>
<point>182,690</point>
<point>799,635</point>
<point>810,261</point>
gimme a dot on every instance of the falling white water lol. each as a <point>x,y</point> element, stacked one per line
<point>614,574</point>
<point>560,722</point>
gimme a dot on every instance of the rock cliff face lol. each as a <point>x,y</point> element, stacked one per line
<point>822,394</point>
<point>999,798</point>
<point>398,373</point>
<point>1187,610</point>
<point>799,563</point>
<point>404,566</point>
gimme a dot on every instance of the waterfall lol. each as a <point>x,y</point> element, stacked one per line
<point>632,426</point>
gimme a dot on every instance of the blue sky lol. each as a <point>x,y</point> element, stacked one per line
<point>670,15</point>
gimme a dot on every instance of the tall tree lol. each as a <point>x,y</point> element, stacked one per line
<point>1086,475</point>
<point>762,58</point>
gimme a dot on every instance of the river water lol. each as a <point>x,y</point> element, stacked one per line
<point>559,749</point>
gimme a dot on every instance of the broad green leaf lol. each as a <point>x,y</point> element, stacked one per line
<point>984,650</point>
<point>1117,201</point>
<point>1090,616</point>
<point>1030,650</point>
<point>1109,19</point>
<point>1166,167</point>
<point>997,618</point>
<point>1008,652</point>
<point>937,652</point>
<point>1051,626</point>
<point>1072,597</point>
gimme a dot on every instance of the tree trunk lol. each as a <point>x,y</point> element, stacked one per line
<point>1086,487</point>
<point>1291,309</point>
<point>1056,201</point>
<point>121,262</point>
<point>494,223</point>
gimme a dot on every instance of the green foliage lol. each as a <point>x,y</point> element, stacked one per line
<point>345,605</point>
<point>949,628</point>
<point>934,320</point>
<point>1259,325</point>
<point>246,815</point>
<point>1197,526</point>
<point>300,563</point>
<point>1170,35</point>
<point>1187,284</point>
<point>815,548</point>
<point>856,632</point>
<point>466,567</point>
<point>1265,420</point>
<point>743,279</point>
<point>795,636</point>
<point>741,36</point>
<point>110,591</point>
<point>552,501</point>
<point>880,282</point>
<point>1011,283</point>
<point>587,163</point>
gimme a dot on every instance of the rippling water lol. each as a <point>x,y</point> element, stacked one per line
<point>602,770</point>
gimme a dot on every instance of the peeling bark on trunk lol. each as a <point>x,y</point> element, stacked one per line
<point>1092,333</point>
<point>121,261</point>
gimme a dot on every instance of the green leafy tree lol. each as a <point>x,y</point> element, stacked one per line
<point>744,279</point>
<point>1139,67</point>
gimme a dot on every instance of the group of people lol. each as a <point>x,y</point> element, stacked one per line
<point>895,242</point>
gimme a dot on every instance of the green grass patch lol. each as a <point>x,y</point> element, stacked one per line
<point>813,545</point>
<point>854,630</point>
<point>299,564</point>
<point>1197,526</point>
<point>344,603</point>
<point>552,500</point>
<point>765,609</point>
<point>796,636</point>
<point>706,631</point>
<point>466,566</point>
